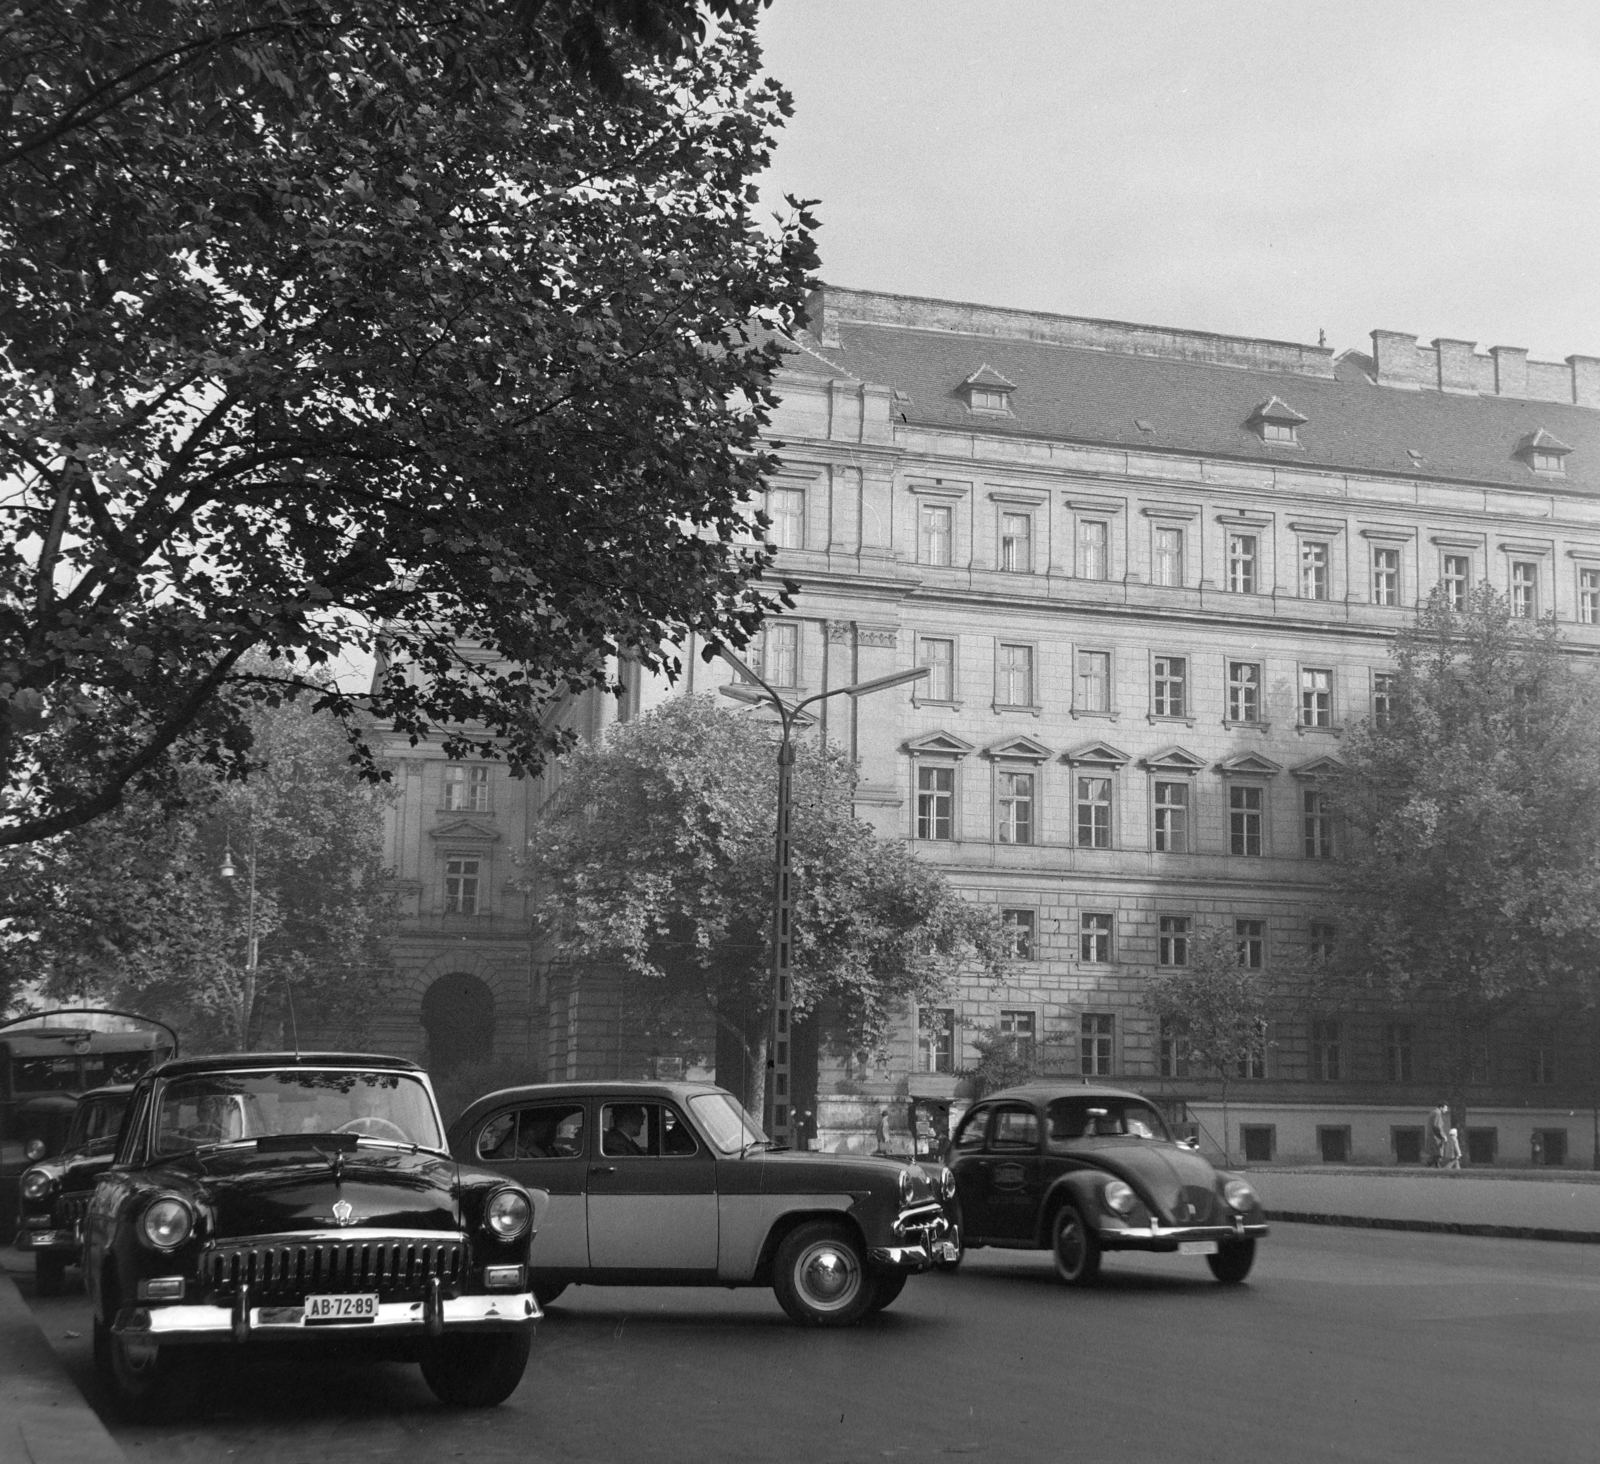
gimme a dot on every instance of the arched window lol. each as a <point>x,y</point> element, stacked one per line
<point>458,1016</point>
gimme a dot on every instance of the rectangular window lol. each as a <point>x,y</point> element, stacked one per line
<point>935,523</point>
<point>936,1039</point>
<point>1250,941</point>
<point>1313,570</point>
<point>1318,824</point>
<point>1254,1063</point>
<point>1172,946</point>
<point>1014,816</point>
<point>779,661</point>
<point>1021,1028</point>
<point>1016,543</point>
<point>1244,691</point>
<point>1333,1142</point>
<point>1172,818</point>
<point>1550,1147</point>
<point>1383,683</point>
<point>1244,820</point>
<point>1018,927</point>
<point>1323,935</point>
<point>1525,589</point>
<point>1457,580</point>
<point>1242,563</point>
<point>1542,1060</point>
<point>786,508</point>
<point>939,656</point>
<point>461,886</point>
<point>1174,1036</point>
<point>1167,693</point>
<point>1096,1038</point>
<point>1094,939</point>
<point>1397,1054</point>
<point>1094,681</point>
<point>1327,1050</point>
<point>466,789</point>
<point>1316,697</point>
<point>1169,557</point>
<point>1259,1141</point>
<point>936,796</point>
<point>1093,542</point>
<point>1385,576</point>
<point>1015,675</point>
<point>1589,597</point>
<point>1094,813</point>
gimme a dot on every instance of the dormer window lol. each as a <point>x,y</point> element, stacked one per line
<point>1276,422</point>
<point>1544,452</point>
<point>987,392</point>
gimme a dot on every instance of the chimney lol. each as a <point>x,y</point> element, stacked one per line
<point>1510,370</point>
<point>819,320</point>
<point>1394,357</point>
<point>1455,364</point>
<point>1585,380</point>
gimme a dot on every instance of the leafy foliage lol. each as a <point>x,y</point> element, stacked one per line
<point>445,316</point>
<point>1006,1059</point>
<point>1474,881</point>
<point>656,855</point>
<point>1216,1007</point>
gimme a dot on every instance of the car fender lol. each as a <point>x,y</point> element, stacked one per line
<point>752,1227</point>
<point>1080,1186</point>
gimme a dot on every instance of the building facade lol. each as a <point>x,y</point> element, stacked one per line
<point>1154,575</point>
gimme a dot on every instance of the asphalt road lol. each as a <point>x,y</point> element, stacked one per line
<point>1345,1345</point>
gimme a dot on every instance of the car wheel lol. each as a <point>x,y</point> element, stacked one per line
<point>544,1292</point>
<point>886,1285</point>
<point>820,1276</point>
<point>151,1381</point>
<point>1074,1247</point>
<point>49,1274</point>
<point>476,1372</point>
<point>1233,1261</point>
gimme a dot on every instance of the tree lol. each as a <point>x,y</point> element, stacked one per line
<point>1214,1010</point>
<point>136,911</point>
<point>1007,1058</point>
<point>655,857</point>
<point>325,316</point>
<point>1473,881</point>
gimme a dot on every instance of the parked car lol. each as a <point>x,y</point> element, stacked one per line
<point>54,1194</point>
<point>674,1184</point>
<point>1083,1170</point>
<point>287,1198</point>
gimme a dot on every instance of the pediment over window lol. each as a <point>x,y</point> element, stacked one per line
<point>465,831</point>
<point>986,390</point>
<point>1102,753</point>
<point>1250,765</point>
<point>939,744</point>
<point>1174,759</point>
<point>1318,767</point>
<point>1019,749</point>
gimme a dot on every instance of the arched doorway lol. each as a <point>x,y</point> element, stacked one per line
<point>458,1016</point>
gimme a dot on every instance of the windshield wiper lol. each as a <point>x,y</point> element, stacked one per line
<point>765,1144</point>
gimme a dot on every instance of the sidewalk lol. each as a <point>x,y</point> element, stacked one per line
<point>1552,1206</point>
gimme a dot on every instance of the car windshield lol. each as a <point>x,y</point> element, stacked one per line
<point>725,1121</point>
<point>218,1108</point>
<point>1094,1118</point>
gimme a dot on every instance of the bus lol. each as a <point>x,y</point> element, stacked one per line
<point>47,1059</point>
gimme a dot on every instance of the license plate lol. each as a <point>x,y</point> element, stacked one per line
<point>949,1251</point>
<point>355,1307</point>
<point>1197,1247</point>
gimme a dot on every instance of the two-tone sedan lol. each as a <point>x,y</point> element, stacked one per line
<point>675,1184</point>
<point>1080,1170</point>
<point>296,1199</point>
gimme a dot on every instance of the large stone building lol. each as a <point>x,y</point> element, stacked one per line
<point>1154,575</point>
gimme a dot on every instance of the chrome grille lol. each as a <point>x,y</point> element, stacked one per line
<point>69,1211</point>
<point>295,1268</point>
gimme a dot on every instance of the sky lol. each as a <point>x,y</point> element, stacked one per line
<point>1254,169</point>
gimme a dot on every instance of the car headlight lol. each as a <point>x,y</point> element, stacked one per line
<point>947,1184</point>
<point>1118,1197</point>
<point>35,1184</point>
<point>908,1186</point>
<point>167,1223</point>
<point>1239,1194</point>
<point>508,1213</point>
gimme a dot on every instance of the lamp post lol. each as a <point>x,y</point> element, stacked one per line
<point>229,871</point>
<point>777,1097</point>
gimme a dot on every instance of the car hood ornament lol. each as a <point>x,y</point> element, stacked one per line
<point>344,1213</point>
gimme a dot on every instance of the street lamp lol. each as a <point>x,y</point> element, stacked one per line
<point>777,1098</point>
<point>230,870</point>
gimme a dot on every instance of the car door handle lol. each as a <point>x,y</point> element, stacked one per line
<point>602,1169</point>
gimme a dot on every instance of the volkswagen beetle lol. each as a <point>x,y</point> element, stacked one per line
<point>1080,1171</point>
<point>298,1199</point>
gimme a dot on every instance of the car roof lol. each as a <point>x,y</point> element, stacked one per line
<point>108,1090</point>
<point>640,1088</point>
<point>1043,1092</point>
<point>233,1061</point>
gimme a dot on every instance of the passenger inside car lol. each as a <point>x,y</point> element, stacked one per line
<point>624,1130</point>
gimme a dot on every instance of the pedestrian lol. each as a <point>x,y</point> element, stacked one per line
<point>883,1131</point>
<point>1438,1131</point>
<point>1452,1150</point>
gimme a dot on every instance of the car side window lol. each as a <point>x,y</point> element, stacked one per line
<point>644,1130</point>
<point>544,1131</point>
<point>676,1136</point>
<point>969,1137</point>
<point>1016,1129</point>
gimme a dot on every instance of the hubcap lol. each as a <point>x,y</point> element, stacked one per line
<point>1069,1245</point>
<point>829,1276</point>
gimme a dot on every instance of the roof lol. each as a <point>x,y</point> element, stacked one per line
<point>1062,1088</point>
<point>233,1061</point>
<point>1098,395</point>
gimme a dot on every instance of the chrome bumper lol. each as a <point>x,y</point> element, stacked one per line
<point>184,1323</point>
<point>1171,1237</point>
<point>926,1228</point>
<point>65,1241</point>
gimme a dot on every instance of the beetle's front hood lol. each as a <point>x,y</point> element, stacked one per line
<point>1181,1183</point>
<point>246,1193</point>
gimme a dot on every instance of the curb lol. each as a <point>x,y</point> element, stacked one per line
<point>1439,1227</point>
<point>44,1419</point>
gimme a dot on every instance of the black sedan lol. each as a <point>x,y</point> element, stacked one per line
<point>261,1199</point>
<point>1080,1171</point>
